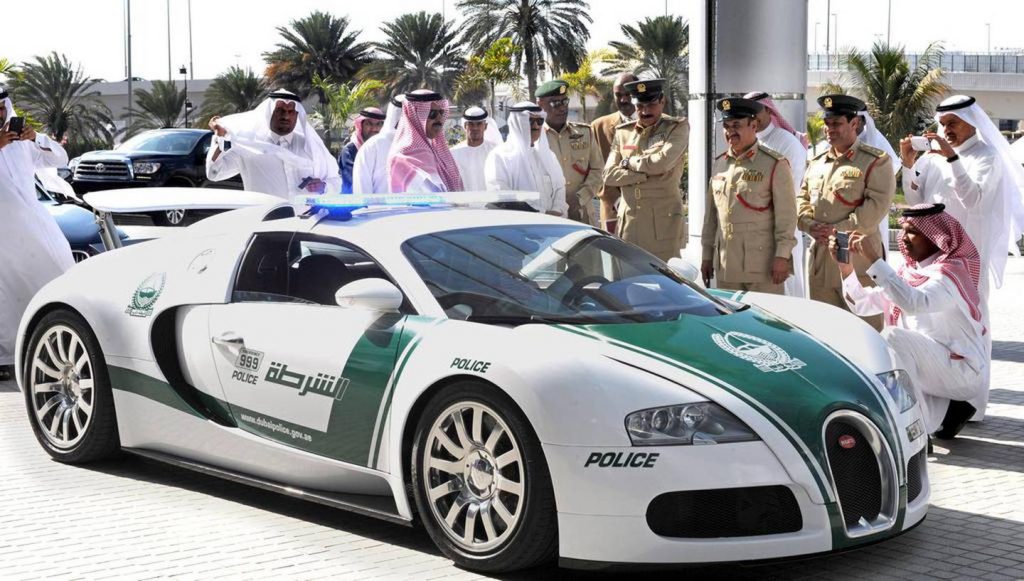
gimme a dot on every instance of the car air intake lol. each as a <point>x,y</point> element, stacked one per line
<point>863,473</point>
<point>729,512</point>
<point>915,475</point>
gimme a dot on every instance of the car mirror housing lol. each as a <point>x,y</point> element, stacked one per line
<point>685,269</point>
<point>371,294</point>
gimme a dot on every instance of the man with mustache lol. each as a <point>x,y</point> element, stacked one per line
<point>971,170</point>
<point>525,162</point>
<point>482,136</point>
<point>604,134</point>
<point>419,160</point>
<point>750,212</point>
<point>574,146</point>
<point>848,187</point>
<point>646,165</point>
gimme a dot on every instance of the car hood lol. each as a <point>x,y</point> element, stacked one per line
<point>781,371</point>
<point>77,224</point>
<point>133,155</point>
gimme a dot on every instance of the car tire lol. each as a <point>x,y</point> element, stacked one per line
<point>174,217</point>
<point>483,491</point>
<point>67,390</point>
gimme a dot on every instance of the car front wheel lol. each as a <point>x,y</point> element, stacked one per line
<point>482,486</point>
<point>67,390</point>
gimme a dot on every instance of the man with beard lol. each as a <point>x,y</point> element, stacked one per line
<point>848,187</point>
<point>576,149</point>
<point>970,169</point>
<point>524,161</point>
<point>646,164</point>
<point>366,125</point>
<point>932,308</point>
<point>604,134</point>
<point>482,137</point>
<point>274,148</point>
<point>370,172</point>
<point>33,251</point>
<point>419,160</point>
<point>750,212</point>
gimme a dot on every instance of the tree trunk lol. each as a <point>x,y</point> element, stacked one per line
<point>493,113</point>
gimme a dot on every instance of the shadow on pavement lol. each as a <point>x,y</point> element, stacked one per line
<point>1008,351</point>
<point>8,386</point>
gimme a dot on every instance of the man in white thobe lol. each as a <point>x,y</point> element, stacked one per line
<point>777,134</point>
<point>933,311</point>
<point>370,171</point>
<point>274,148</point>
<point>33,251</point>
<point>971,170</point>
<point>525,162</point>
<point>482,137</point>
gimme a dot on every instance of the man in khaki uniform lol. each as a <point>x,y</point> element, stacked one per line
<point>604,133</point>
<point>646,164</point>
<point>750,212</point>
<point>576,149</point>
<point>849,187</point>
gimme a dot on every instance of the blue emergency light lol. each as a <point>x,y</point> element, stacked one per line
<point>341,206</point>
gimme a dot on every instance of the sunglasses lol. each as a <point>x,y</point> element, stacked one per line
<point>559,102</point>
<point>536,121</point>
<point>434,113</point>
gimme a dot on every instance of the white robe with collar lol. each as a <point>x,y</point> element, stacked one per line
<point>471,161</point>
<point>33,250</point>
<point>271,168</point>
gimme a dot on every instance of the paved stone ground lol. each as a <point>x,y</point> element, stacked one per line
<point>137,519</point>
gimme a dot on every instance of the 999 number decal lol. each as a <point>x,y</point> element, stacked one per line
<point>249,360</point>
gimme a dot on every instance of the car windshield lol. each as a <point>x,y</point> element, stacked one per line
<point>551,273</point>
<point>161,142</point>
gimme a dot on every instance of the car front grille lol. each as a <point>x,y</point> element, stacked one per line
<point>102,170</point>
<point>729,512</point>
<point>915,475</point>
<point>863,473</point>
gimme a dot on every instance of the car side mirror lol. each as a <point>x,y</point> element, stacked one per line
<point>685,270</point>
<point>371,294</point>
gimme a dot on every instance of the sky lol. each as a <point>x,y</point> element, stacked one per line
<point>238,32</point>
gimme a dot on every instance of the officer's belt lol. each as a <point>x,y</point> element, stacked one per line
<point>640,193</point>
<point>729,228</point>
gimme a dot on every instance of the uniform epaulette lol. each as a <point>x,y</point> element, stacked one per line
<point>771,152</point>
<point>626,125</point>
<point>579,124</point>
<point>872,150</point>
<point>721,155</point>
<point>822,154</point>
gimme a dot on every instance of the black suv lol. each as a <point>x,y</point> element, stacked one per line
<point>162,157</point>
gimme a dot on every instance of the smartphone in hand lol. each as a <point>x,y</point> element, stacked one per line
<point>843,247</point>
<point>920,143</point>
<point>17,125</point>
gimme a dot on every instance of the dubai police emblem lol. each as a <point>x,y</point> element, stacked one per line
<point>641,88</point>
<point>765,355</point>
<point>726,105</point>
<point>146,294</point>
<point>561,90</point>
<point>828,102</point>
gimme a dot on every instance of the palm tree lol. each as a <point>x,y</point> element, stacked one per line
<point>60,98</point>
<point>898,98</point>
<point>421,52</point>
<point>584,82</point>
<point>484,72</point>
<point>233,91</point>
<point>343,101</point>
<point>158,108</point>
<point>657,46</point>
<point>319,44</point>
<point>547,30</point>
<point>6,68</point>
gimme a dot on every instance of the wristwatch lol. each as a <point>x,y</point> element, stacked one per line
<point>624,164</point>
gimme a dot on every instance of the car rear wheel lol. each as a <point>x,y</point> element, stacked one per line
<point>67,390</point>
<point>481,482</point>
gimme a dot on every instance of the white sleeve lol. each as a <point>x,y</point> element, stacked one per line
<point>55,157</point>
<point>362,176</point>
<point>936,294</point>
<point>558,204</point>
<point>864,302</point>
<point>227,165</point>
<point>979,183</point>
<point>914,181</point>
<point>495,175</point>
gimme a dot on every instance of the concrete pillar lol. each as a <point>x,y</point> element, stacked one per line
<point>738,46</point>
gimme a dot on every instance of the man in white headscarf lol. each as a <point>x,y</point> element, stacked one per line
<point>275,149</point>
<point>33,251</point>
<point>971,170</point>
<point>367,123</point>
<point>525,162</point>
<point>419,160</point>
<point>482,136</point>
<point>777,134</point>
<point>370,171</point>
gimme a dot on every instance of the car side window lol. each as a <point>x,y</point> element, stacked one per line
<point>319,266</point>
<point>263,275</point>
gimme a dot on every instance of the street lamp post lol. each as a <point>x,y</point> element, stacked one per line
<point>188,104</point>
<point>835,34</point>
<point>816,25</point>
<point>988,29</point>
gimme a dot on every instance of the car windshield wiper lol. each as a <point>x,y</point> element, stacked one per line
<point>526,319</point>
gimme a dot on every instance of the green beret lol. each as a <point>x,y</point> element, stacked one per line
<point>554,88</point>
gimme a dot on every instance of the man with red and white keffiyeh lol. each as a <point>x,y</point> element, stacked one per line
<point>933,312</point>
<point>367,123</point>
<point>419,160</point>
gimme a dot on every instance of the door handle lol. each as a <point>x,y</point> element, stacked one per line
<point>229,338</point>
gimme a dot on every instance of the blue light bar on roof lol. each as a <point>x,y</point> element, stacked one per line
<point>342,205</point>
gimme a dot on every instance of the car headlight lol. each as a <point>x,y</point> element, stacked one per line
<point>897,383</point>
<point>695,423</point>
<point>145,167</point>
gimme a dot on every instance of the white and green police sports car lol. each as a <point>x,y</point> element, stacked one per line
<point>525,386</point>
